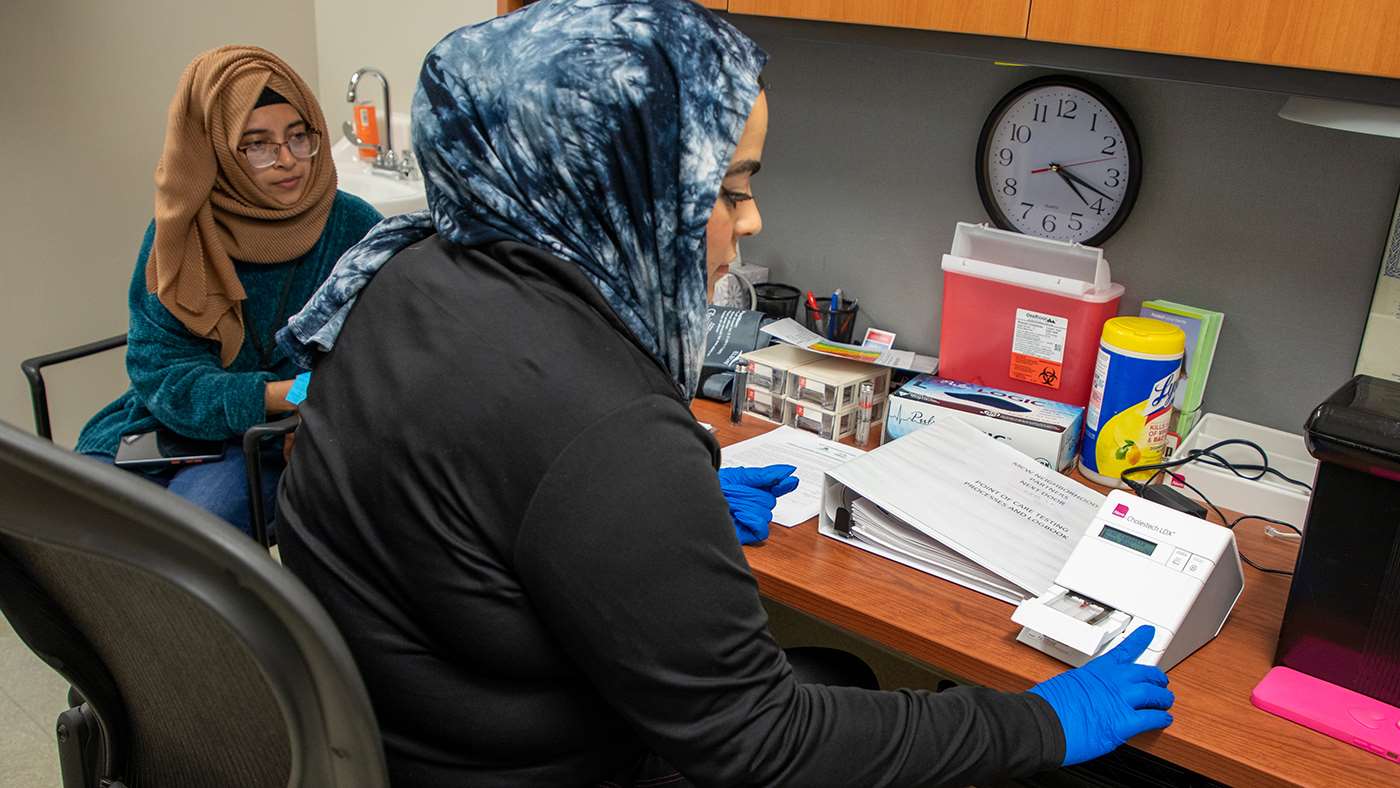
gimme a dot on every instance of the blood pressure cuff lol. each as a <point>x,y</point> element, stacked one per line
<point>728,333</point>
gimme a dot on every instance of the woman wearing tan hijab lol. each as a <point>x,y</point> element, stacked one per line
<point>248,223</point>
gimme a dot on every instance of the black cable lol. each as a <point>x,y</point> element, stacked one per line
<point>1203,455</point>
<point>1209,456</point>
<point>1220,462</point>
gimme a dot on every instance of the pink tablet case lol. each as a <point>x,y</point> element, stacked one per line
<point>1327,708</point>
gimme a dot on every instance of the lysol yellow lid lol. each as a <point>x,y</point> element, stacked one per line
<point>1145,335</point>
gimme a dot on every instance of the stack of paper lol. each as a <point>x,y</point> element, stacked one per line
<point>952,501</point>
<point>872,524</point>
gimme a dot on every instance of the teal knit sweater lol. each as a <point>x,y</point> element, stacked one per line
<point>176,378</point>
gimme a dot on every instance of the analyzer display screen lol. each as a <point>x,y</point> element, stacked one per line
<point>1128,540</point>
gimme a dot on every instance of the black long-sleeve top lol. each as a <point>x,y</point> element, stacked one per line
<point>508,509</point>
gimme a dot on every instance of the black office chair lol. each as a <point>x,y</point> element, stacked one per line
<point>194,660</point>
<point>252,439</point>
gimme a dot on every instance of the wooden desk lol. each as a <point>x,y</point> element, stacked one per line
<point>1217,731</point>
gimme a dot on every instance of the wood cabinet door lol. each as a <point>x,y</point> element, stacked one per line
<point>1357,36</point>
<point>987,17</point>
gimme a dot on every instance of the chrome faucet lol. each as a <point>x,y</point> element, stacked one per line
<point>386,161</point>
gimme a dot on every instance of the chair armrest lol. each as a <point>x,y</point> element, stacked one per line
<point>33,372</point>
<point>252,458</point>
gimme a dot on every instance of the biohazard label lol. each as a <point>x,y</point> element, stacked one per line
<point>1038,348</point>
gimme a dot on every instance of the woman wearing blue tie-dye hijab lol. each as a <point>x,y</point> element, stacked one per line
<point>499,492</point>
<point>610,156</point>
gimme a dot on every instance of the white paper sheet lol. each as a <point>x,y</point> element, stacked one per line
<point>811,455</point>
<point>872,524</point>
<point>793,333</point>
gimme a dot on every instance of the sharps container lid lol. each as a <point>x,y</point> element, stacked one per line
<point>1359,426</point>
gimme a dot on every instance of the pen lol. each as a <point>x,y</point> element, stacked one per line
<point>831,321</point>
<point>816,311</point>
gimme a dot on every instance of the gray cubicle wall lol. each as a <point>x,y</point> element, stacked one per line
<point>1281,226</point>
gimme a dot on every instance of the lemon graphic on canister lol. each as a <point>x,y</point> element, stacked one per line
<point>1131,404</point>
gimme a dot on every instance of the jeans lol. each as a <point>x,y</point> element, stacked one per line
<point>221,487</point>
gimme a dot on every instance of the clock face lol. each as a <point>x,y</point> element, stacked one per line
<point>1058,158</point>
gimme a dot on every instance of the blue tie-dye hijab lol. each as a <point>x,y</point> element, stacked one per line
<point>597,130</point>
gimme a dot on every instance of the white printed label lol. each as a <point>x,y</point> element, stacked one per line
<point>1091,419</point>
<point>1040,335</point>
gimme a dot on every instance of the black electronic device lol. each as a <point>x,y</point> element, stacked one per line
<point>1059,158</point>
<point>1166,496</point>
<point>160,448</point>
<point>1342,622</point>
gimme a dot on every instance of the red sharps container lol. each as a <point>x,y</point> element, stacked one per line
<point>1024,314</point>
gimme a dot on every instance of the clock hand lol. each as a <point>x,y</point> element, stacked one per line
<point>1084,183</point>
<point>1051,167</point>
<point>1070,184</point>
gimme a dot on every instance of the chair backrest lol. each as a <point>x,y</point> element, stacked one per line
<point>207,663</point>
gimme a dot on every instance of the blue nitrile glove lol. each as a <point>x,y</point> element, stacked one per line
<point>297,393</point>
<point>1109,700</point>
<point>752,493</point>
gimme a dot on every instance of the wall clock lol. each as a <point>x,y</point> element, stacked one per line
<point>1059,158</point>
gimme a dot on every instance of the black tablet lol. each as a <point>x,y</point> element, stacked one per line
<point>159,448</point>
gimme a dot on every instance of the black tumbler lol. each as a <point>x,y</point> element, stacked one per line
<point>777,300</point>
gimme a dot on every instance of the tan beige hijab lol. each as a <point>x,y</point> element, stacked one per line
<point>208,211</point>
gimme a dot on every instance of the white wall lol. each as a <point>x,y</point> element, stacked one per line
<point>87,85</point>
<point>355,33</point>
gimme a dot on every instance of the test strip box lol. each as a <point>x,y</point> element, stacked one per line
<point>763,403</point>
<point>832,425</point>
<point>833,384</point>
<point>769,367</point>
<point>1046,430</point>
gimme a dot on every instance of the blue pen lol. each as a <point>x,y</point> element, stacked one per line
<point>831,319</point>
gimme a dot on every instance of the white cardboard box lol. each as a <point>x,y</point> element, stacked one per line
<point>832,425</point>
<point>1044,430</point>
<point>769,366</point>
<point>834,383</point>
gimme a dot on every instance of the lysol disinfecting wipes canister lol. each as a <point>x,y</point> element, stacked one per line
<point>1130,405</point>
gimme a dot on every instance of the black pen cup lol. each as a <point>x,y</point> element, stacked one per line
<point>819,320</point>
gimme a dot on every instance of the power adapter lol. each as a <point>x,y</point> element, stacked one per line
<point>1166,496</point>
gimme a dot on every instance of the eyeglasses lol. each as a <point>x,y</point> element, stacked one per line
<point>302,144</point>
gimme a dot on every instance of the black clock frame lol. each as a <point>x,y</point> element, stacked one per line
<point>1130,139</point>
